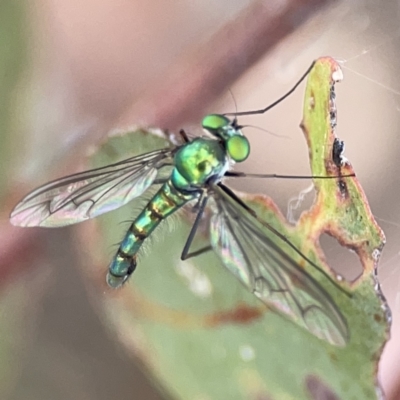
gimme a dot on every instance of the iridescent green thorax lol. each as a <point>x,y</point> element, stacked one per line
<point>198,161</point>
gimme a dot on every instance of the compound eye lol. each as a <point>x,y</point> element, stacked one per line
<point>214,122</point>
<point>238,148</point>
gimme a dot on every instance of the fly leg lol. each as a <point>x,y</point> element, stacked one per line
<point>185,252</point>
<point>237,174</point>
<point>184,136</point>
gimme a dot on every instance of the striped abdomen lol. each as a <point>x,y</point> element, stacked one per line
<point>166,201</point>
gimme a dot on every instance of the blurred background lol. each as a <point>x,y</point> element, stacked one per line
<point>72,71</point>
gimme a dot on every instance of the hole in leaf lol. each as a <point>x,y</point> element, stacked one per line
<point>342,260</point>
<point>299,203</point>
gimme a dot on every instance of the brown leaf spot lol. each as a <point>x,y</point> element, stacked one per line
<point>311,100</point>
<point>318,390</point>
<point>242,314</point>
<point>378,318</point>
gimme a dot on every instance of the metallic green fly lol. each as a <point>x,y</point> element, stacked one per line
<point>193,173</point>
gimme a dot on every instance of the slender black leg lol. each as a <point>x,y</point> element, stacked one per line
<point>185,252</point>
<point>237,174</point>
<point>184,136</point>
<point>263,110</point>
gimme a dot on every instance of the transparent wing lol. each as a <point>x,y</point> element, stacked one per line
<point>88,194</point>
<point>240,238</point>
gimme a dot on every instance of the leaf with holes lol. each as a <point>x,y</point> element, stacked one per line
<point>202,334</point>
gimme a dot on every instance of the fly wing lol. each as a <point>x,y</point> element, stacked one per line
<point>243,242</point>
<point>88,194</point>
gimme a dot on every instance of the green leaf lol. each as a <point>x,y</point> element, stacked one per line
<point>19,295</point>
<point>13,64</point>
<point>201,334</point>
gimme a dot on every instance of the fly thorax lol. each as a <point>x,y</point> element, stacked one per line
<point>197,162</point>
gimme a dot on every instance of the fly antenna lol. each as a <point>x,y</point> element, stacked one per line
<point>266,131</point>
<point>234,122</point>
